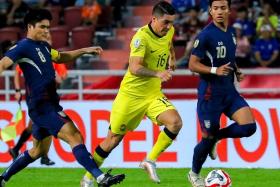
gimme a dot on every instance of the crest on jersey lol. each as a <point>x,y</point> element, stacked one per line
<point>207,123</point>
<point>196,42</point>
<point>137,43</point>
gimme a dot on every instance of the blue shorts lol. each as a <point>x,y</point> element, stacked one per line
<point>46,124</point>
<point>210,110</point>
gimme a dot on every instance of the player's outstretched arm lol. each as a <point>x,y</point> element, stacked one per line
<point>196,66</point>
<point>67,56</point>
<point>5,62</point>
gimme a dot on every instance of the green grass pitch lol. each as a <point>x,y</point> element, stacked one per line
<point>170,177</point>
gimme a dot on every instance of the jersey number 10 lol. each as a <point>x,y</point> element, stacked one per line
<point>221,52</point>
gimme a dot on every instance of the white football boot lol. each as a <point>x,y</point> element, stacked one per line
<point>86,182</point>
<point>195,179</point>
<point>150,167</point>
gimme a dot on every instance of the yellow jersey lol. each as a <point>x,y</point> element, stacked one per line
<point>155,51</point>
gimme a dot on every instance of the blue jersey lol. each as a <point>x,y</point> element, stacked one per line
<point>35,60</point>
<point>215,48</point>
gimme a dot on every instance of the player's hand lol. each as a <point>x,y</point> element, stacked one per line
<point>164,75</point>
<point>18,96</point>
<point>171,64</point>
<point>172,67</point>
<point>239,75</point>
<point>224,70</point>
<point>93,50</point>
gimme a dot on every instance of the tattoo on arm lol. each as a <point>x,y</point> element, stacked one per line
<point>146,72</point>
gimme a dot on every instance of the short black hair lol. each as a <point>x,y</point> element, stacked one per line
<point>34,16</point>
<point>163,7</point>
<point>211,1</point>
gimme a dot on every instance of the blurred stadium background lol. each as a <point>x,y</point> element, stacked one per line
<point>93,82</point>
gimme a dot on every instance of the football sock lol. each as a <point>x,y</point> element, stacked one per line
<point>85,159</point>
<point>99,156</point>
<point>164,140</point>
<point>200,154</point>
<point>237,131</point>
<point>23,138</point>
<point>19,163</point>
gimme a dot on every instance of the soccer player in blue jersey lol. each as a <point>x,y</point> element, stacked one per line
<point>213,57</point>
<point>35,57</point>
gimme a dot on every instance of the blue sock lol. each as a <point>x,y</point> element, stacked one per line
<point>237,131</point>
<point>85,159</point>
<point>19,163</point>
<point>200,154</point>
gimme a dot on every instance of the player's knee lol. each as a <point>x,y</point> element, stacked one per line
<point>249,129</point>
<point>176,124</point>
<point>78,137</point>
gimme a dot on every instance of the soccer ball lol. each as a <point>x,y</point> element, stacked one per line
<point>217,178</point>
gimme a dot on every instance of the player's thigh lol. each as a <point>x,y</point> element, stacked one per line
<point>209,113</point>
<point>48,123</point>
<point>162,111</point>
<point>127,113</point>
<point>70,134</point>
<point>240,111</point>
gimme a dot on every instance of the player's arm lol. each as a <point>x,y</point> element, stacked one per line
<point>5,62</point>
<point>67,56</point>
<point>137,68</point>
<point>17,85</point>
<point>238,73</point>
<point>172,59</point>
<point>195,65</point>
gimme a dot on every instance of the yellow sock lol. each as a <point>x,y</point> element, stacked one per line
<point>99,161</point>
<point>162,143</point>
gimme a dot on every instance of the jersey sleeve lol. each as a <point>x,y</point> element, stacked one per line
<point>199,46</point>
<point>55,55</point>
<point>14,53</point>
<point>138,45</point>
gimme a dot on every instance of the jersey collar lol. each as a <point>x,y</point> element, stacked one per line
<point>151,29</point>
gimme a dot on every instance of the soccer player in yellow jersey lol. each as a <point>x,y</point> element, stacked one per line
<point>140,91</point>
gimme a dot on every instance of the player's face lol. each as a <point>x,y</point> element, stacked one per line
<point>163,24</point>
<point>219,11</point>
<point>41,30</point>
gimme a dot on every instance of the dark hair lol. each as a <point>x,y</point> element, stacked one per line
<point>162,8</point>
<point>211,1</point>
<point>34,16</point>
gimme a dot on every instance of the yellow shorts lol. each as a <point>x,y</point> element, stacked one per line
<point>128,111</point>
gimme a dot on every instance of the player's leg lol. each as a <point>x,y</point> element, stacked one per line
<point>244,125</point>
<point>39,148</point>
<point>162,112</point>
<point>126,114</point>
<point>70,134</point>
<point>209,116</point>
<point>101,152</point>
<point>25,135</point>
